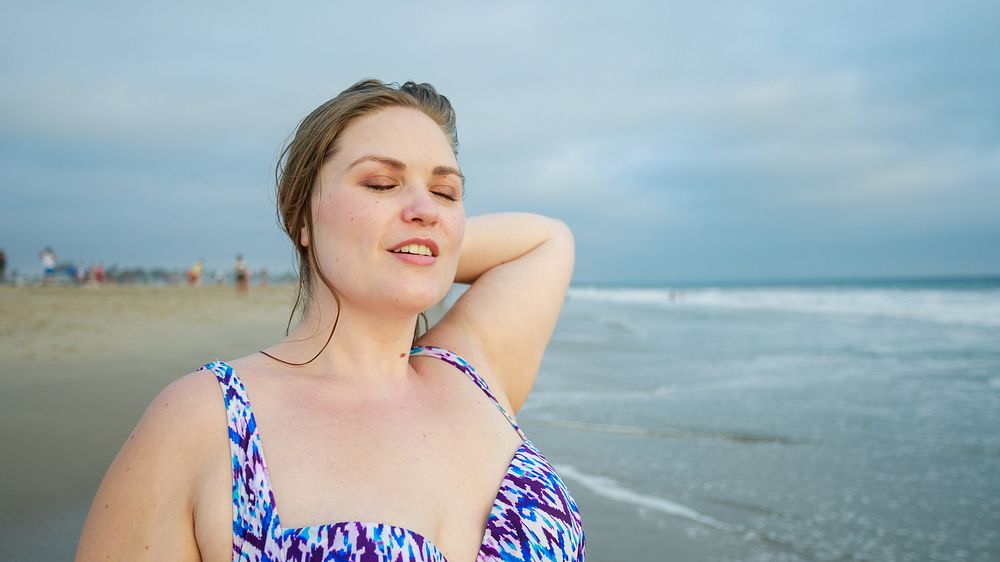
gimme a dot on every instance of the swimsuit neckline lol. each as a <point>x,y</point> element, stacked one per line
<point>291,531</point>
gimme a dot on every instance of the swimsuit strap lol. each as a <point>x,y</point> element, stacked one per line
<point>253,501</point>
<point>467,368</point>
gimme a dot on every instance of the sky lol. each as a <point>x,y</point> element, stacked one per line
<point>717,141</point>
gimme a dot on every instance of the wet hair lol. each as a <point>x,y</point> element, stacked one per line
<point>316,141</point>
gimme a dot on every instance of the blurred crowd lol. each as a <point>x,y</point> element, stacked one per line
<point>54,271</point>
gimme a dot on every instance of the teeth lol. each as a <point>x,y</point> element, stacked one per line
<point>419,249</point>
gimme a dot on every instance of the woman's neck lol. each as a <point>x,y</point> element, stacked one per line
<point>366,345</point>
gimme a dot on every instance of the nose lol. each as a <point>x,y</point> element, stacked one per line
<point>420,207</point>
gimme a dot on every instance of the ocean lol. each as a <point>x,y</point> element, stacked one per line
<point>778,421</point>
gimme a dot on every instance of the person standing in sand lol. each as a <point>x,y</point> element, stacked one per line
<point>242,275</point>
<point>48,259</point>
<point>355,437</point>
<point>194,273</point>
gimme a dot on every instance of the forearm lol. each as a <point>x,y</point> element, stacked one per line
<point>495,239</point>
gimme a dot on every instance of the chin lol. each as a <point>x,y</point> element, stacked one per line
<point>415,300</point>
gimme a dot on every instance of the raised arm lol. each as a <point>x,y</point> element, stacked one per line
<point>519,267</point>
<point>144,507</point>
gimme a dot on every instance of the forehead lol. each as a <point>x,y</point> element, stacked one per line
<point>402,133</point>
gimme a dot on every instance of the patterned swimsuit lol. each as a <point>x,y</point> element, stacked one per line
<point>533,517</point>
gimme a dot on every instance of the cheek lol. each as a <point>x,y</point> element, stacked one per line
<point>336,213</point>
<point>458,228</point>
<point>345,224</point>
<point>456,233</point>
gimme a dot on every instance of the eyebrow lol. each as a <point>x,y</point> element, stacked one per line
<point>399,165</point>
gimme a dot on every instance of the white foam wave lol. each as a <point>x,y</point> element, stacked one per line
<point>980,307</point>
<point>546,398</point>
<point>672,432</point>
<point>611,489</point>
<point>586,339</point>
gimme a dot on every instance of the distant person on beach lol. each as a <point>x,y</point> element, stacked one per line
<point>3,267</point>
<point>48,259</point>
<point>381,443</point>
<point>194,273</point>
<point>242,275</point>
<point>262,275</point>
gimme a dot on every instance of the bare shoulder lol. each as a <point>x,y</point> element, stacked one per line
<point>450,335</point>
<point>143,509</point>
<point>189,401</point>
<point>182,417</point>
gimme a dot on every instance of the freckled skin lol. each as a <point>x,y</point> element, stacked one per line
<point>353,226</point>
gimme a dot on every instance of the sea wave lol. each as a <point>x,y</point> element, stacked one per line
<point>672,432</point>
<point>562,396</point>
<point>978,307</point>
<point>611,489</point>
<point>810,548</point>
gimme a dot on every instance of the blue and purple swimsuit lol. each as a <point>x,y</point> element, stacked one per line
<point>533,517</point>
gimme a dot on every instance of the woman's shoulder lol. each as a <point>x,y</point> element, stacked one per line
<point>198,398</point>
<point>150,490</point>
<point>186,424</point>
<point>186,413</point>
<point>462,344</point>
<point>183,434</point>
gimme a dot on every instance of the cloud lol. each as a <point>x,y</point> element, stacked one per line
<point>677,139</point>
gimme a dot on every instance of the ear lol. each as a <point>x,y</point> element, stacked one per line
<point>304,237</point>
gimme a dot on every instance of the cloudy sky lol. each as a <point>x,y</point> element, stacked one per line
<point>726,141</point>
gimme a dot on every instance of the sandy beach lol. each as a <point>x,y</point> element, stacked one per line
<point>79,367</point>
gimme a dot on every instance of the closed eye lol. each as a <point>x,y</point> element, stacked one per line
<point>447,196</point>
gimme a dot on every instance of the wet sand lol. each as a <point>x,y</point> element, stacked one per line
<point>79,366</point>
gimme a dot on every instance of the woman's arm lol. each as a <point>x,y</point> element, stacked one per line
<point>519,267</point>
<point>143,509</point>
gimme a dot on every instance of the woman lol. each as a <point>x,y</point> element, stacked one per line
<point>410,446</point>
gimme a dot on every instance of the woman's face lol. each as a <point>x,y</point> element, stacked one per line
<point>392,179</point>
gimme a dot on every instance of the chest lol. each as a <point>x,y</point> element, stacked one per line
<point>429,459</point>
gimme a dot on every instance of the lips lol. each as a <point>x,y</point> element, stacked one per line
<point>421,241</point>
